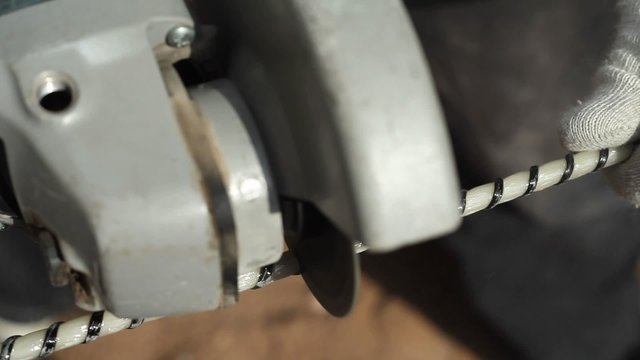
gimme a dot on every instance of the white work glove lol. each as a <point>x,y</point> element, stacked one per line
<point>610,117</point>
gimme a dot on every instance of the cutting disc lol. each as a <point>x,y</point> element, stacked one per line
<point>328,263</point>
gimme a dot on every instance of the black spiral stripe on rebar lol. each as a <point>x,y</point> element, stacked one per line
<point>463,201</point>
<point>602,160</point>
<point>266,273</point>
<point>7,347</point>
<point>265,277</point>
<point>135,323</point>
<point>568,169</point>
<point>95,325</point>
<point>50,340</point>
<point>498,190</point>
<point>533,180</point>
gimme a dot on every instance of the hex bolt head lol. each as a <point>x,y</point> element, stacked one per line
<point>180,36</point>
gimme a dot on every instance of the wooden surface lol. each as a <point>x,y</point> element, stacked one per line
<point>283,321</point>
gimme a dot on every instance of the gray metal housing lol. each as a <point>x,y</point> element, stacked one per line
<point>111,177</point>
<point>348,113</point>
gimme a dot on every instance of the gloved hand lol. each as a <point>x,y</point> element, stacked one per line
<point>611,116</point>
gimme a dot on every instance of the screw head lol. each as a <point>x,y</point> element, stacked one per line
<point>180,36</point>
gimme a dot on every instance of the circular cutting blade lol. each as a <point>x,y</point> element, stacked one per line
<point>328,263</point>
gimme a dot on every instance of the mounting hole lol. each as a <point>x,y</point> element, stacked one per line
<point>55,93</point>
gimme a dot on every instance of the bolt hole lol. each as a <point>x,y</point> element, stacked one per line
<point>55,94</point>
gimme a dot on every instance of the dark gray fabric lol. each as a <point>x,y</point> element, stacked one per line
<point>507,70</point>
<point>554,293</point>
<point>551,276</point>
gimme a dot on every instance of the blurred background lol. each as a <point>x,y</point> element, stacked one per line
<point>552,276</point>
